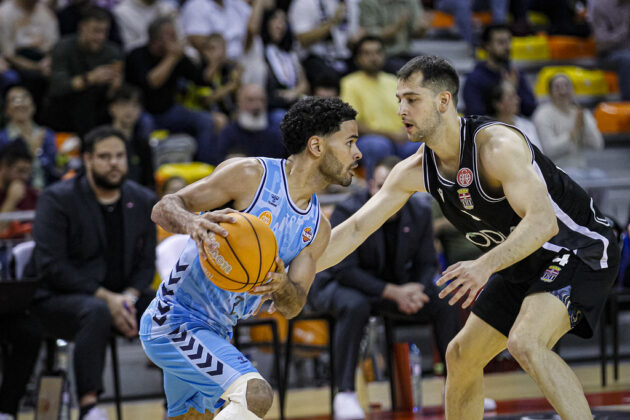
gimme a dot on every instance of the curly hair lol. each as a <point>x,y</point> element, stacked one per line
<point>313,116</point>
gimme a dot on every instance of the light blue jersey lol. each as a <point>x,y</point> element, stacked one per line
<point>185,329</point>
<point>187,295</point>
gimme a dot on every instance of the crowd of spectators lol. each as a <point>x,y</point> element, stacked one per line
<point>224,72</point>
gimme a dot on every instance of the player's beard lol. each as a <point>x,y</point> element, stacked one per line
<point>333,170</point>
<point>426,131</point>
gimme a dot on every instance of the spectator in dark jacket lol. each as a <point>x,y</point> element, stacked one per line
<point>95,258</point>
<point>391,272</point>
<point>496,41</point>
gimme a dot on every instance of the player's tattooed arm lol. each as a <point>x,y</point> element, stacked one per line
<point>290,289</point>
<point>178,213</point>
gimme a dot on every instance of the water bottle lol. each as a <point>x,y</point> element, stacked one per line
<point>415,364</point>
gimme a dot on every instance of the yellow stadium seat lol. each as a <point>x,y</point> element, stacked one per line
<point>191,172</point>
<point>585,82</point>
<point>525,48</point>
<point>613,117</point>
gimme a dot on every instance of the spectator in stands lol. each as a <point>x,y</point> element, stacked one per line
<point>286,79</point>
<point>503,104</point>
<point>16,163</point>
<point>392,272</point>
<point>125,108</point>
<point>369,91</point>
<point>566,129</point>
<point>326,85</point>
<point>157,68</point>
<point>28,32</point>
<point>135,16</point>
<point>201,18</point>
<point>396,22</point>
<point>323,28</point>
<point>69,18</point>
<point>86,69</point>
<point>223,75</point>
<point>610,20</point>
<point>19,110</point>
<point>462,11</point>
<point>251,133</point>
<point>95,258</point>
<point>496,41</point>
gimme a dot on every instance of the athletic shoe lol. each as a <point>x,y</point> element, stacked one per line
<point>346,405</point>
<point>489,404</point>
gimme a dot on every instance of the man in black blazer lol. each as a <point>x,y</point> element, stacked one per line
<point>391,272</point>
<point>95,256</point>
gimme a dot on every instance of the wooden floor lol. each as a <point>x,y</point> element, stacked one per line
<point>514,392</point>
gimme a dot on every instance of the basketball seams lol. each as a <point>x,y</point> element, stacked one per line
<point>217,271</point>
<point>238,260</point>
<point>259,247</point>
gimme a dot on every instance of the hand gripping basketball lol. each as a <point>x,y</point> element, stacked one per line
<point>241,260</point>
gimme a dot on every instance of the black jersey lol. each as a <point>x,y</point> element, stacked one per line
<point>487,221</point>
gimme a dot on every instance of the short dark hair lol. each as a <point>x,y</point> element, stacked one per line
<point>313,116</point>
<point>486,35</point>
<point>92,12</point>
<point>155,27</point>
<point>126,93</point>
<point>99,134</point>
<point>15,151</point>
<point>367,38</point>
<point>437,74</point>
<point>388,162</point>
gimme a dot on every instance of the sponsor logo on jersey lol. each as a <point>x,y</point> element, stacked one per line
<point>464,177</point>
<point>441,194</point>
<point>551,273</point>
<point>266,217</point>
<point>465,198</point>
<point>274,200</point>
<point>307,234</point>
<point>485,238</point>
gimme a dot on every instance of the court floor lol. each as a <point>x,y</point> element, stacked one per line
<point>514,392</point>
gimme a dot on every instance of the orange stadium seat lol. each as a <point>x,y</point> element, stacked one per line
<point>613,117</point>
<point>442,20</point>
<point>570,47</point>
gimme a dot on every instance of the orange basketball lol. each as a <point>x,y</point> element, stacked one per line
<point>244,257</point>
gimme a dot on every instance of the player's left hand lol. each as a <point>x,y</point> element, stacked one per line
<point>277,280</point>
<point>467,277</point>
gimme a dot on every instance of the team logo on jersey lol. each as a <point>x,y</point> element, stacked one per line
<point>465,198</point>
<point>464,177</point>
<point>307,234</point>
<point>266,217</point>
<point>551,273</point>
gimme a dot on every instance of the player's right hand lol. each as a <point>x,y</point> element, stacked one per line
<point>204,226</point>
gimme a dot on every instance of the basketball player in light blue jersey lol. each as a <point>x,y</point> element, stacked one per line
<point>186,328</point>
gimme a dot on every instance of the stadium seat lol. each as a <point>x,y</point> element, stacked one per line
<point>525,48</point>
<point>585,82</point>
<point>191,172</point>
<point>570,47</point>
<point>613,117</point>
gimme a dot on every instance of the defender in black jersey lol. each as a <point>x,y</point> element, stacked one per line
<point>550,256</point>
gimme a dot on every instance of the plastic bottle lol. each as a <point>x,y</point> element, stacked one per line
<point>415,364</point>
